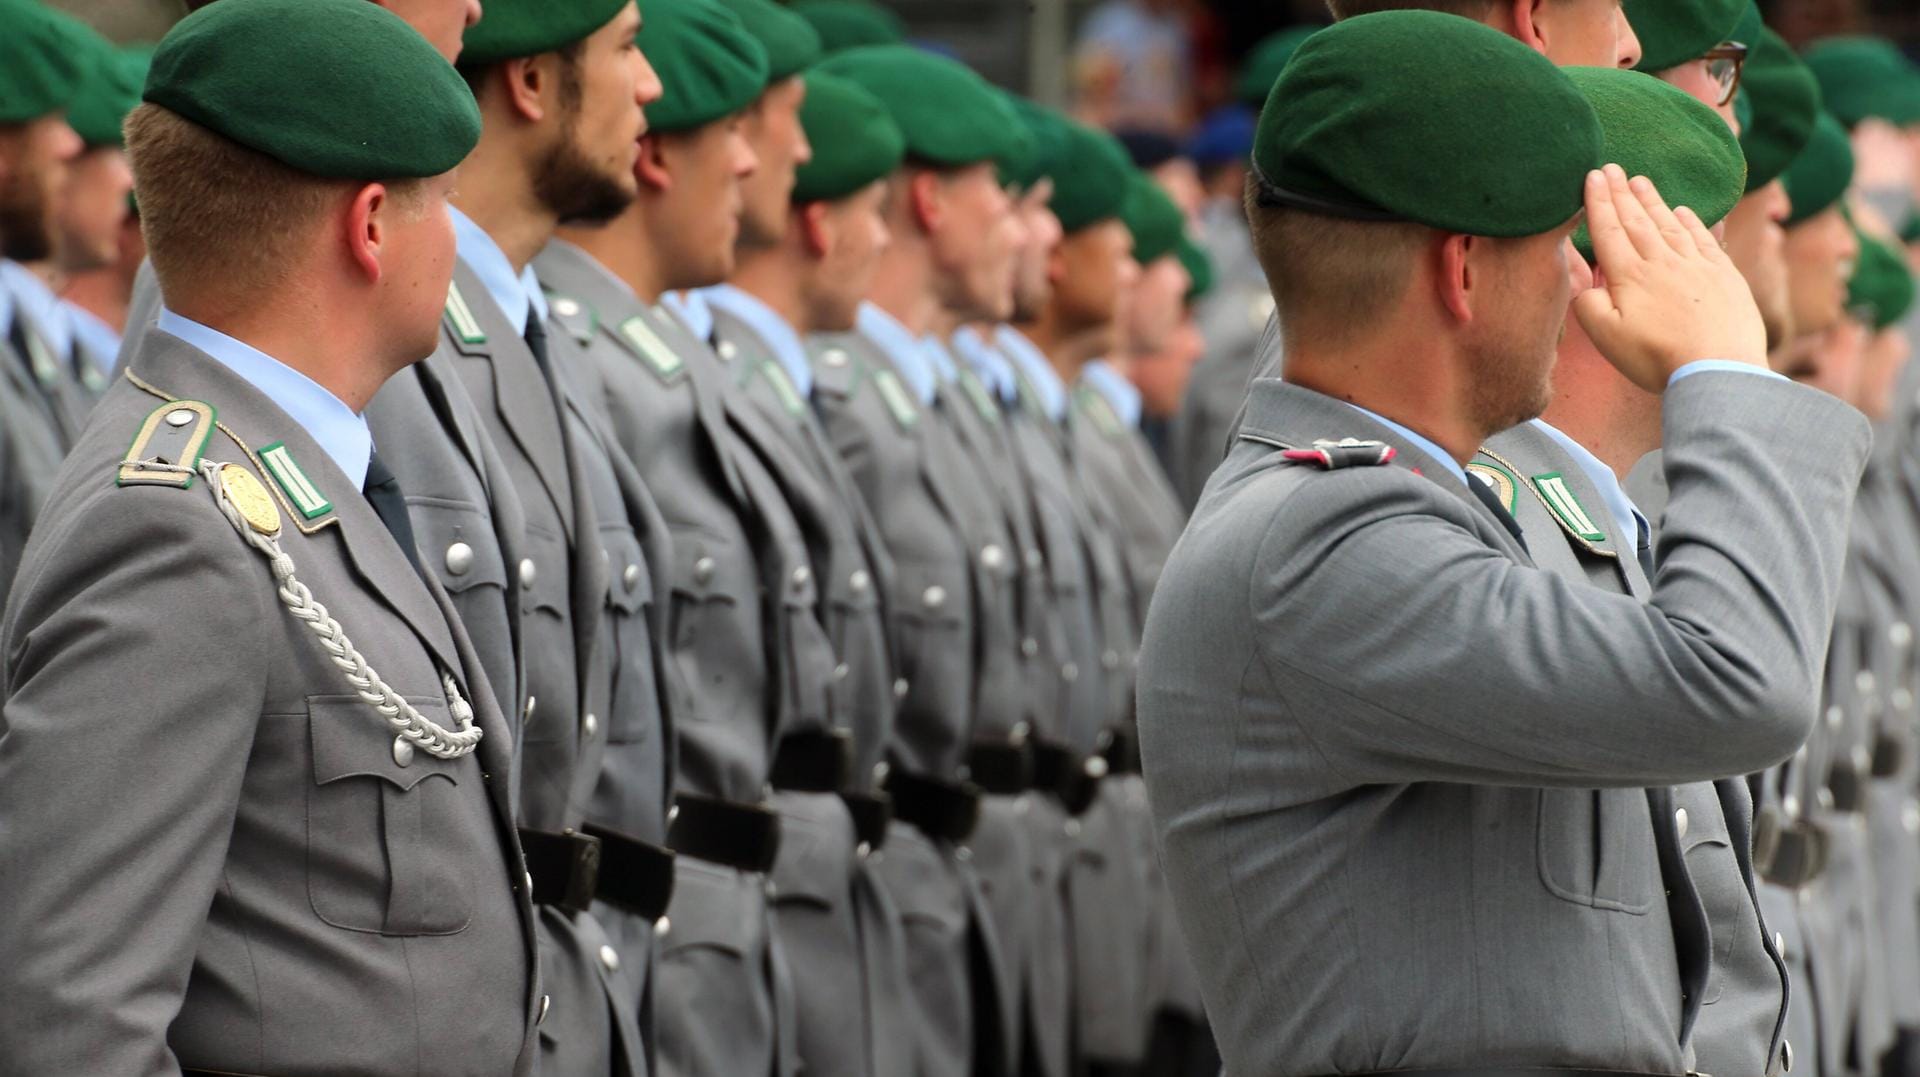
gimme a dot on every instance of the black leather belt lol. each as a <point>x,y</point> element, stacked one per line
<point>937,808</point>
<point>565,867</point>
<point>1848,787</point>
<point>1003,769</point>
<point>1889,755</point>
<point>1121,750</point>
<point>871,813</point>
<point>1510,1071</point>
<point>744,837</point>
<point>635,875</point>
<point>813,761</point>
<point>1798,856</point>
<point>1073,779</point>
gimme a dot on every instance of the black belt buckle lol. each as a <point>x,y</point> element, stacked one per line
<point>1766,839</point>
<point>1844,781</point>
<point>813,761</point>
<point>1122,752</point>
<point>1073,779</point>
<point>1889,755</point>
<point>1799,857</point>
<point>936,807</point>
<point>635,875</point>
<point>745,837</point>
<point>565,867</point>
<point>871,813</point>
<point>1001,768</point>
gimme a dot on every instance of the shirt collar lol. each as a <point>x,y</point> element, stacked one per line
<point>516,294</point>
<point>901,346</point>
<point>787,349</point>
<point>1626,516</point>
<point>102,343</point>
<point>692,310</point>
<point>1425,445</point>
<point>940,359</point>
<point>1120,393</point>
<point>1047,387</point>
<point>325,417</point>
<point>987,362</point>
<point>6,310</point>
<point>39,303</point>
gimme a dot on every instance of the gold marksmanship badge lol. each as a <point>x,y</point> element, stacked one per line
<point>250,496</point>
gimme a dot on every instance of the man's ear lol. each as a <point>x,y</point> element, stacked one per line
<point>530,84</point>
<point>368,229</point>
<point>816,229</point>
<point>1057,262</point>
<point>650,164</point>
<point>926,199</point>
<point>1523,23</point>
<point>1457,273</point>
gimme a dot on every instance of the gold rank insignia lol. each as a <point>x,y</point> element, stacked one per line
<point>249,495</point>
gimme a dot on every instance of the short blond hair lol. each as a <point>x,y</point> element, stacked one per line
<point>1332,277</point>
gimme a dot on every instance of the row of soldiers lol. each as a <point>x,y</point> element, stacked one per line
<point>607,547</point>
<point>1534,685</point>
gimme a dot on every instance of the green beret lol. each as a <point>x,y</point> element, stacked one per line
<point>1881,290</point>
<point>1655,130</point>
<point>1819,177</point>
<point>1155,221</point>
<point>855,140</point>
<point>318,85</point>
<point>1866,78</point>
<point>1747,31</point>
<point>1043,137</point>
<point>511,29</point>
<point>1783,100</point>
<point>1419,116</point>
<point>1671,32</point>
<point>791,42</point>
<point>950,115</point>
<point>112,91</point>
<point>1910,231</point>
<point>1266,61</point>
<point>709,65</point>
<point>849,24</point>
<point>1091,177</point>
<point>1199,268</point>
<point>39,70</point>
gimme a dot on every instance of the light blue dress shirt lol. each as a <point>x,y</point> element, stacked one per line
<point>6,311</point>
<point>101,342</point>
<point>41,304</point>
<point>325,417</point>
<point>1626,516</point>
<point>1424,444</point>
<point>940,359</point>
<point>987,363</point>
<point>788,351</point>
<point>906,350</point>
<point>692,310</point>
<point>516,294</point>
<point>1046,385</point>
<point>1121,394</point>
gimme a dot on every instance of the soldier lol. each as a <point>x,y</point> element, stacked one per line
<point>808,274</point>
<point>1317,710</point>
<point>544,536</point>
<point>100,248</point>
<point>318,837</point>
<point>847,24</point>
<point>1782,102</point>
<point>40,77</point>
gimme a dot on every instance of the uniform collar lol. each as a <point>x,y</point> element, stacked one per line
<point>986,361</point>
<point>773,330</point>
<point>325,417</point>
<point>1046,385</point>
<point>7,303</point>
<point>1100,376</point>
<point>940,359</point>
<point>100,343</point>
<point>903,348</point>
<point>692,310</point>
<point>39,303</point>
<point>516,294</point>
<point>1424,444</point>
<point>1626,516</point>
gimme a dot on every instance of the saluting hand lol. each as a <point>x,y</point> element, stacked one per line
<point>1669,294</point>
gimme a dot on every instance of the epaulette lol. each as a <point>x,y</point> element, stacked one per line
<point>167,449</point>
<point>836,370</point>
<point>982,397</point>
<point>1329,455</point>
<point>646,343</point>
<point>1099,409</point>
<point>570,314</point>
<point>782,384</point>
<point>1498,478</point>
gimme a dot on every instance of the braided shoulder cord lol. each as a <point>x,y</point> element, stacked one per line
<point>406,721</point>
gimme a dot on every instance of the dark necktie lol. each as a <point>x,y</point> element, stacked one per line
<point>1492,502</point>
<point>537,343</point>
<point>383,493</point>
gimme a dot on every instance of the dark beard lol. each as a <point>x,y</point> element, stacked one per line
<point>571,188</point>
<point>24,232</point>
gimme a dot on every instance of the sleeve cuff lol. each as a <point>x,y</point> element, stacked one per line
<point>1702,366</point>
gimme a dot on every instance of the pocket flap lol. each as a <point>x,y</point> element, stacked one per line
<point>352,739</point>
<point>629,578</point>
<point>930,594</point>
<point>457,543</point>
<point>705,570</point>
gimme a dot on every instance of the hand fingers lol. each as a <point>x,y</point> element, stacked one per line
<point>1703,237</point>
<point>1634,219</point>
<point>1610,243</point>
<point>1597,315</point>
<point>1678,239</point>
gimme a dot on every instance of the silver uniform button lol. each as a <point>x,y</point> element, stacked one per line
<point>800,577</point>
<point>834,357</point>
<point>402,751</point>
<point>662,926</point>
<point>1110,660</point>
<point>1863,682</point>
<point>703,570</point>
<point>1786,1056</point>
<point>529,877</point>
<point>1791,805</point>
<point>880,772</point>
<point>1030,647</point>
<point>1910,817</point>
<point>840,671</point>
<point>609,958</point>
<point>566,308</point>
<point>934,597</point>
<point>527,572</point>
<point>1680,821</point>
<point>591,725</point>
<point>1824,797</point>
<point>180,417</point>
<point>863,850</point>
<point>727,350</point>
<point>546,1003</point>
<point>1069,672</point>
<point>1021,731</point>
<point>1901,633</point>
<point>1072,828</point>
<point>672,814</point>
<point>1035,562</point>
<point>1095,767</point>
<point>992,558</point>
<point>859,581</point>
<point>1780,945</point>
<point>532,701</point>
<point>1835,716</point>
<point>900,687</point>
<point>631,575</point>
<point>459,559</point>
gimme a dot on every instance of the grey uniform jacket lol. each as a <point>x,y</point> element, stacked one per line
<point>30,454</point>
<point>269,871</point>
<point>1569,531</point>
<point>1348,779</point>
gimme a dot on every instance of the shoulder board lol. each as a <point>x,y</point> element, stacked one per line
<point>578,319</point>
<point>1553,489</point>
<point>1503,483</point>
<point>167,448</point>
<point>981,396</point>
<point>662,360</point>
<point>835,369</point>
<point>459,317</point>
<point>1096,407</point>
<point>898,400</point>
<point>46,369</point>
<point>1330,455</point>
<point>783,387</point>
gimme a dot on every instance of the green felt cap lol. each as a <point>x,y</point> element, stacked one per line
<point>1783,101</point>
<point>1865,77</point>
<point>709,65</point>
<point>1043,138</point>
<point>1819,177</point>
<point>791,42</point>
<point>950,115</point>
<point>1199,268</point>
<point>1419,116</point>
<point>511,29</point>
<point>1155,221</point>
<point>340,89</point>
<point>109,93</point>
<point>1671,32</point>
<point>1090,177</point>
<point>1654,130</point>
<point>1910,231</point>
<point>1747,30</point>
<point>1881,290</point>
<point>40,70</point>
<point>1266,61</point>
<point>855,140</point>
<point>849,24</point>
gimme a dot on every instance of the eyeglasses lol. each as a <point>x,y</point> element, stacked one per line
<point>1724,64</point>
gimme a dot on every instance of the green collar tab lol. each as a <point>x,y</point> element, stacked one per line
<point>1559,498</point>
<point>305,497</point>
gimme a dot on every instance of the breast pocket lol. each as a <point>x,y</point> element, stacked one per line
<point>1716,876</point>
<point>929,613</point>
<point>635,706</point>
<point>458,545</point>
<point>381,856</point>
<point>1596,848</point>
<point>707,585</point>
